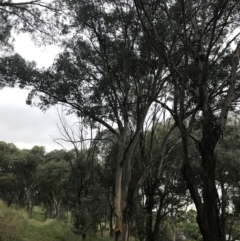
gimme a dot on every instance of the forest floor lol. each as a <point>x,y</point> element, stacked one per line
<point>15,226</point>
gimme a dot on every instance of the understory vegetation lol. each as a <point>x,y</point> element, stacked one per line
<point>16,226</point>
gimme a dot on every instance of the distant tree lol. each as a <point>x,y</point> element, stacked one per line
<point>24,167</point>
<point>53,182</point>
<point>87,182</point>
<point>8,151</point>
<point>188,226</point>
<point>86,197</point>
<point>9,190</point>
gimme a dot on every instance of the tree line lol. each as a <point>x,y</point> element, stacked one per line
<point>81,182</point>
<point>124,65</point>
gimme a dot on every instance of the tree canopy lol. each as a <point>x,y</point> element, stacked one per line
<point>124,65</point>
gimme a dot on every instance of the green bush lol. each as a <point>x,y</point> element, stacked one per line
<point>39,213</point>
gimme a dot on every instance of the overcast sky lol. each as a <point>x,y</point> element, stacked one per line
<point>23,125</point>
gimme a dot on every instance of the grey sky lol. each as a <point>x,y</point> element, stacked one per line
<point>23,125</point>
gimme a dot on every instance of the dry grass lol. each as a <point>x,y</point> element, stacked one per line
<point>15,226</point>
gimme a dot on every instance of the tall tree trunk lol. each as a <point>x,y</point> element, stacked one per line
<point>152,233</point>
<point>208,216</point>
<point>149,218</point>
<point>210,195</point>
<point>223,209</point>
<point>121,192</point>
<point>126,149</point>
<point>156,232</point>
<point>111,221</point>
<point>29,197</point>
<point>121,203</point>
<point>56,207</point>
<point>123,178</point>
<point>174,231</point>
<point>208,211</point>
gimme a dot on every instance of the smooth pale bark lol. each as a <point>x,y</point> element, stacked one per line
<point>126,151</point>
<point>56,206</point>
<point>29,197</point>
<point>123,178</point>
<point>174,231</point>
<point>223,208</point>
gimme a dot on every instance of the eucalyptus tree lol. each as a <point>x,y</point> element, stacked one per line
<point>165,200</point>
<point>204,78</point>
<point>86,197</point>
<point>188,226</point>
<point>107,146</point>
<point>163,192</point>
<point>9,190</point>
<point>53,181</point>
<point>227,177</point>
<point>24,167</point>
<point>108,75</point>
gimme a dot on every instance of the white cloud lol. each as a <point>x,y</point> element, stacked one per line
<point>43,56</point>
<point>23,125</point>
<point>27,126</point>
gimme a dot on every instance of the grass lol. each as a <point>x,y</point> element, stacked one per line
<point>38,213</point>
<point>15,226</point>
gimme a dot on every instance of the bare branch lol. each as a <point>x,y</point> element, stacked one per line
<point>11,4</point>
